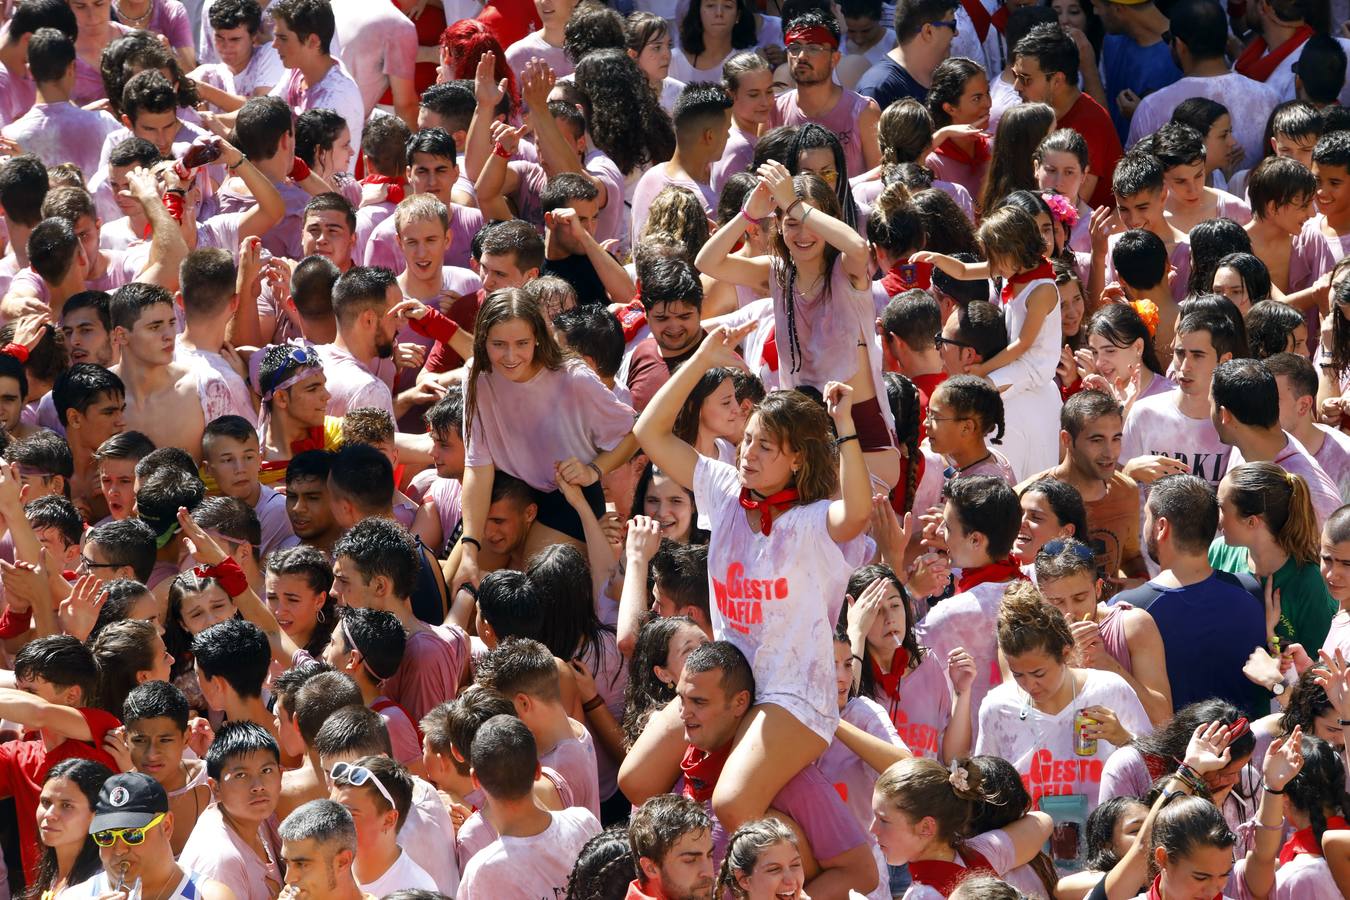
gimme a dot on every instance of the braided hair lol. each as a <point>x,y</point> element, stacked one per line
<point>903,397</point>
<point>977,398</point>
<point>1319,785</point>
<point>604,867</point>
<point>815,191</point>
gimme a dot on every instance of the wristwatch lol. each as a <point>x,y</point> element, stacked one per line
<point>1277,688</point>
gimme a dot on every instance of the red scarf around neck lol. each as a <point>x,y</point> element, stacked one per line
<point>701,771</point>
<point>395,193</point>
<point>952,151</point>
<point>1003,570</point>
<point>1044,270</point>
<point>1259,65</point>
<point>943,875</point>
<point>769,506</point>
<point>1304,841</point>
<point>890,681</point>
<point>1155,890</point>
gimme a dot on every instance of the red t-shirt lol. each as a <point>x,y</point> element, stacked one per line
<point>510,20</point>
<point>1088,118</point>
<point>648,370</point>
<point>24,765</point>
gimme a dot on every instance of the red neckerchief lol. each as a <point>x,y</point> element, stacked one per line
<point>632,317</point>
<point>701,771</point>
<point>1304,841</point>
<point>949,149</point>
<point>313,440</point>
<point>637,892</point>
<point>768,506</point>
<point>943,876</point>
<point>395,193</point>
<point>769,355</point>
<point>1157,766</point>
<point>1155,890</point>
<point>1044,270</point>
<point>890,681</point>
<point>1259,65</point>
<point>905,275</point>
<point>1004,570</point>
<point>979,17</point>
<point>1000,18</point>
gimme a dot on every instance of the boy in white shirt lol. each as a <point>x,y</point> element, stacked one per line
<point>378,792</point>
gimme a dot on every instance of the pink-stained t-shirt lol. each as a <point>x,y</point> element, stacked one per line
<point>283,238</point>
<point>214,850</point>
<point>275,524</point>
<point>378,43</point>
<point>736,157</point>
<point>1334,458</point>
<point>169,18</point>
<point>88,80</point>
<point>446,494</point>
<point>402,730</point>
<point>574,759</point>
<point>1302,878</point>
<point>1296,460</point>
<point>531,867</point>
<point>425,834</point>
<point>367,217</point>
<point>18,91</point>
<point>533,46</point>
<point>842,119</point>
<point>1179,258</point>
<point>652,182</point>
<point>430,672</point>
<point>382,247</point>
<point>1309,259</point>
<point>62,132</point>
<point>851,776</point>
<point>996,464</point>
<point>611,680</point>
<point>123,268</point>
<point>777,596</point>
<point>351,384</point>
<point>1041,746</point>
<point>477,832</point>
<point>335,91</point>
<point>229,394</point>
<point>612,223</point>
<point>1235,208</point>
<point>569,412</point>
<point>31,284</point>
<point>263,72</point>
<point>1338,638</point>
<point>967,620</point>
<point>921,713</point>
<point>967,174</point>
<point>996,847</point>
<point>1157,427</point>
<point>1249,104</point>
<point>1114,639</point>
<point>1337,246</point>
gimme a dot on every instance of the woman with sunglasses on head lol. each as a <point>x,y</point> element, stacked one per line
<point>1052,716</point>
<point>1112,637</point>
<point>959,103</point>
<point>68,855</point>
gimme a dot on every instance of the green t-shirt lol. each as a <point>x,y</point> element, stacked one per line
<point>1306,607</point>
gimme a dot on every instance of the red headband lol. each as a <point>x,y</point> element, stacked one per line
<point>811,34</point>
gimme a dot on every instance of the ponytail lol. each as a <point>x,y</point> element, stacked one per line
<point>920,787</point>
<point>1282,500</point>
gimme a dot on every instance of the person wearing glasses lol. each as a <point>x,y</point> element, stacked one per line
<point>925,30</point>
<point>53,693</point>
<point>962,413</point>
<point>812,40</point>
<point>378,792</point>
<point>235,839</point>
<point>1112,637</point>
<point>132,825</point>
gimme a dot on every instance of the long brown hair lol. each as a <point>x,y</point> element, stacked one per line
<point>1283,502</point>
<point>920,787</point>
<point>1020,132</point>
<point>799,423</point>
<point>502,306</point>
<point>815,191</point>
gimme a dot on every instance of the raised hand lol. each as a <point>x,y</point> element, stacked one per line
<point>1207,750</point>
<point>644,539</point>
<point>839,401</point>
<point>961,669</point>
<point>863,611</point>
<point>779,181</point>
<point>202,547</point>
<point>718,349</point>
<point>78,613</point>
<point>487,90</point>
<point>1284,760</point>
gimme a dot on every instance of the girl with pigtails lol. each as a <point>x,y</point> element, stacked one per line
<point>819,276</point>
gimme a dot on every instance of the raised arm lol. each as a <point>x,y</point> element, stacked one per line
<point>961,271</point>
<point>268,207</point>
<point>1283,762</point>
<point>715,259</point>
<point>599,553</point>
<point>644,539</point>
<point>31,711</point>
<point>167,247</point>
<point>488,92</point>
<point>654,428</point>
<point>618,285</point>
<point>794,209</point>
<point>496,181</point>
<point>848,515</point>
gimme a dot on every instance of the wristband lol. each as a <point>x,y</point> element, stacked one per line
<point>1344,723</point>
<point>1270,790</point>
<point>18,351</point>
<point>839,442</point>
<point>242,159</point>
<point>596,469</point>
<point>173,202</point>
<point>465,539</point>
<point>232,578</point>
<point>593,704</point>
<point>499,150</point>
<point>299,170</point>
<point>749,218</point>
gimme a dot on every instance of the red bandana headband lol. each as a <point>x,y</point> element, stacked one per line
<point>810,34</point>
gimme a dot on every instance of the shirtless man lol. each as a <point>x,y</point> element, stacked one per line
<point>90,400</point>
<point>163,395</point>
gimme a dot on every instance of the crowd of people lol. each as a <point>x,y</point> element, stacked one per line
<point>674,450</point>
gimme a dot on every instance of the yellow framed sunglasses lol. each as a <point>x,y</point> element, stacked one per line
<point>132,837</point>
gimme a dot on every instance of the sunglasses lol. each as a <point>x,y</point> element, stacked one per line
<point>300,355</point>
<point>132,837</point>
<point>1077,548</point>
<point>357,776</point>
<point>939,340</point>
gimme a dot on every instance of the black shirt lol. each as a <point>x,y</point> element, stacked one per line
<point>578,271</point>
<point>889,81</point>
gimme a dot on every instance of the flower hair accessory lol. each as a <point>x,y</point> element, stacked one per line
<point>959,778</point>
<point>1060,207</point>
<point>1148,311</point>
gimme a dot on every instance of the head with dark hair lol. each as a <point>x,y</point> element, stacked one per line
<point>233,654</point>
<point>262,122</point>
<point>743,28</point>
<point>23,185</point>
<point>521,670</point>
<point>815,150</point>
<point>658,830</point>
<point>319,140</point>
<point>981,518</point>
<point>384,142</point>
<point>593,26</point>
<point>1182,512</point>
<point>59,669</point>
<point>54,252</point>
<point>717,688</point>
<point>43,463</point>
<point>375,564</point>
<point>1050,509</point>
<point>948,230</point>
<point>1203,340</point>
<point>1140,259</point>
<point>361,301</point>
<point>234,740</point>
<point>626,120</point>
<point>73,786</point>
<point>324,698</point>
<point>51,53</point>
<point>1111,827</point>
<point>512,253</point>
<point>1243,279</point>
<point>972,406</point>
<point>307,23</point>
<point>657,661</point>
<point>360,484</point>
<point>122,548</point>
<point>1278,182</point>
<point>1275,327</point>
<point>449,105</point>
<point>918,20</point>
<point>504,758</point>
<point>385,810</point>
<point>161,494</point>
<point>913,319</point>
<point>207,279</point>
<point>1045,63</point>
<point>593,333</point>
<point>58,525</point>
<point>1186,827</point>
<point>1138,186</point>
<point>1211,241</point>
<point>1244,395</point>
<point>604,867</point>
<point>148,92</point>
<point>449,728</point>
<point>1198,28</point>
<point>976,334</point>
<point>142,51</point>
<point>369,641</point>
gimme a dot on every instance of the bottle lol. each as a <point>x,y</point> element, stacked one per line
<point>1083,745</point>
<point>199,153</point>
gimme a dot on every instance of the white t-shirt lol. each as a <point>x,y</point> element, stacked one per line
<point>1041,745</point>
<point>530,867</point>
<point>424,837</point>
<point>995,846</point>
<point>574,759</point>
<point>967,620</point>
<point>1157,427</point>
<point>1248,102</point>
<point>1296,460</point>
<point>403,874</point>
<point>851,776</point>
<point>776,597</point>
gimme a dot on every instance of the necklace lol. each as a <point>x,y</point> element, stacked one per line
<point>134,21</point>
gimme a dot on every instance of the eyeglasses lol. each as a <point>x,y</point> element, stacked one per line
<point>810,49</point>
<point>357,776</point>
<point>929,417</point>
<point>1077,548</point>
<point>939,340</point>
<point>946,23</point>
<point>132,837</point>
<point>86,563</point>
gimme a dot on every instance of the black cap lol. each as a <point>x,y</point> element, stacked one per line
<point>130,800</point>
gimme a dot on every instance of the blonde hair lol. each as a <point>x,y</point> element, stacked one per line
<point>678,213</point>
<point>745,848</point>
<point>1283,502</point>
<point>420,208</point>
<point>1011,235</point>
<point>1027,623</point>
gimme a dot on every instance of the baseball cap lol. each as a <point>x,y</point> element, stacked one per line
<point>130,800</point>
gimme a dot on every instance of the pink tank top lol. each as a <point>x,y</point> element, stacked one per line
<point>1112,628</point>
<point>842,120</point>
